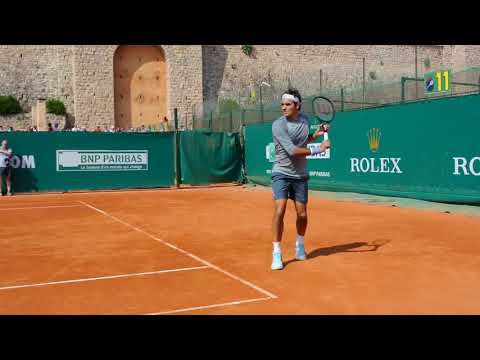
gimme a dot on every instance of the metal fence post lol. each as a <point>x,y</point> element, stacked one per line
<point>261,104</point>
<point>177,149</point>
<point>363,82</point>
<point>403,88</point>
<point>342,100</point>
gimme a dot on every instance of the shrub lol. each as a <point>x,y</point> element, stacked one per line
<point>247,49</point>
<point>427,63</point>
<point>9,105</point>
<point>56,107</point>
<point>227,105</point>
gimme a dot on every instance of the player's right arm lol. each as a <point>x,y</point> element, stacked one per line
<point>280,134</point>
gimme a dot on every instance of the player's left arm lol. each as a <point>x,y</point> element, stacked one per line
<point>322,129</point>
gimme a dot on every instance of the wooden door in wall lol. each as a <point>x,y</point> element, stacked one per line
<point>140,86</point>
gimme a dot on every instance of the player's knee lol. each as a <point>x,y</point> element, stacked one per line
<point>302,215</point>
<point>279,212</point>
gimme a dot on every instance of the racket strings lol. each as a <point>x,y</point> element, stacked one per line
<point>323,109</point>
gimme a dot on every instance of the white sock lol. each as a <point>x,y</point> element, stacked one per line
<point>276,247</point>
<point>300,239</point>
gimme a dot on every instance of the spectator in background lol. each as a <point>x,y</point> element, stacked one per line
<point>1,128</point>
<point>143,129</point>
<point>10,129</point>
<point>5,167</point>
<point>97,129</point>
<point>35,128</point>
<point>56,127</point>
<point>49,127</point>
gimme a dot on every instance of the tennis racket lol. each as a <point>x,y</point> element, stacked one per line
<point>324,111</point>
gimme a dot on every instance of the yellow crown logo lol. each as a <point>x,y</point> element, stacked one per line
<point>374,139</point>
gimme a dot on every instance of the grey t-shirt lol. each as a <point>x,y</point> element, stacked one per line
<point>287,135</point>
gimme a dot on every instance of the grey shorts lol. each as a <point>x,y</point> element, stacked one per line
<point>5,171</point>
<point>286,187</point>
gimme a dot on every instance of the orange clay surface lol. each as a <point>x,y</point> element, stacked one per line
<point>208,251</point>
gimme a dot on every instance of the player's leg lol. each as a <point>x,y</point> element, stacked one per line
<point>277,232</point>
<point>1,181</point>
<point>280,189</point>
<point>9,182</point>
<point>302,218</point>
<point>301,200</point>
<point>277,223</point>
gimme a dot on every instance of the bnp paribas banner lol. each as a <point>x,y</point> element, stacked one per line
<point>81,161</point>
<point>427,150</point>
<point>102,160</point>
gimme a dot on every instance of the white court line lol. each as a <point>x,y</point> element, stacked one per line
<point>131,191</point>
<point>40,207</point>
<point>102,278</point>
<point>210,306</point>
<point>245,282</point>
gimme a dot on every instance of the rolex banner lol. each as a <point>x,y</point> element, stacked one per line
<point>426,150</point>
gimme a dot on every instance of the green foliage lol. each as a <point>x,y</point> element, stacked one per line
<point>227,105</point>
<point>56,107</point>
<point>427,63</point>
<point>247,49</point>
<point>9,105</point>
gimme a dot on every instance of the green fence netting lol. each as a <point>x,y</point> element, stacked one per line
<point>210,157</point>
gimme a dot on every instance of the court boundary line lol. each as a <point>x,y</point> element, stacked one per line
<point>120,191</point>
<point>243,281</point>
<point>39,207</point>
<point>102,278</point>
<point>232,303</point>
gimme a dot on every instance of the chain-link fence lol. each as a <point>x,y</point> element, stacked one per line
<point>262,102</point>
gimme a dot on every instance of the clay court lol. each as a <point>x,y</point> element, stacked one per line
<point>208,251</point>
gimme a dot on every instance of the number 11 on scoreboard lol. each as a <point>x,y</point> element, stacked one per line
<point>437,81</point>
<point>438,75</point>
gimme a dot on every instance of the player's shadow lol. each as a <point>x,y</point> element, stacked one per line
<point>355,247</point>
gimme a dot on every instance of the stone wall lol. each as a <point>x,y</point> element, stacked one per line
<point>30,72</point>
<point>18,121</point>
<point>23,121</point>
<point>228,72</point>
<point>82,75</point>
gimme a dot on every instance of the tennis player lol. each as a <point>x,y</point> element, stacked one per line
<point>289,174</point>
